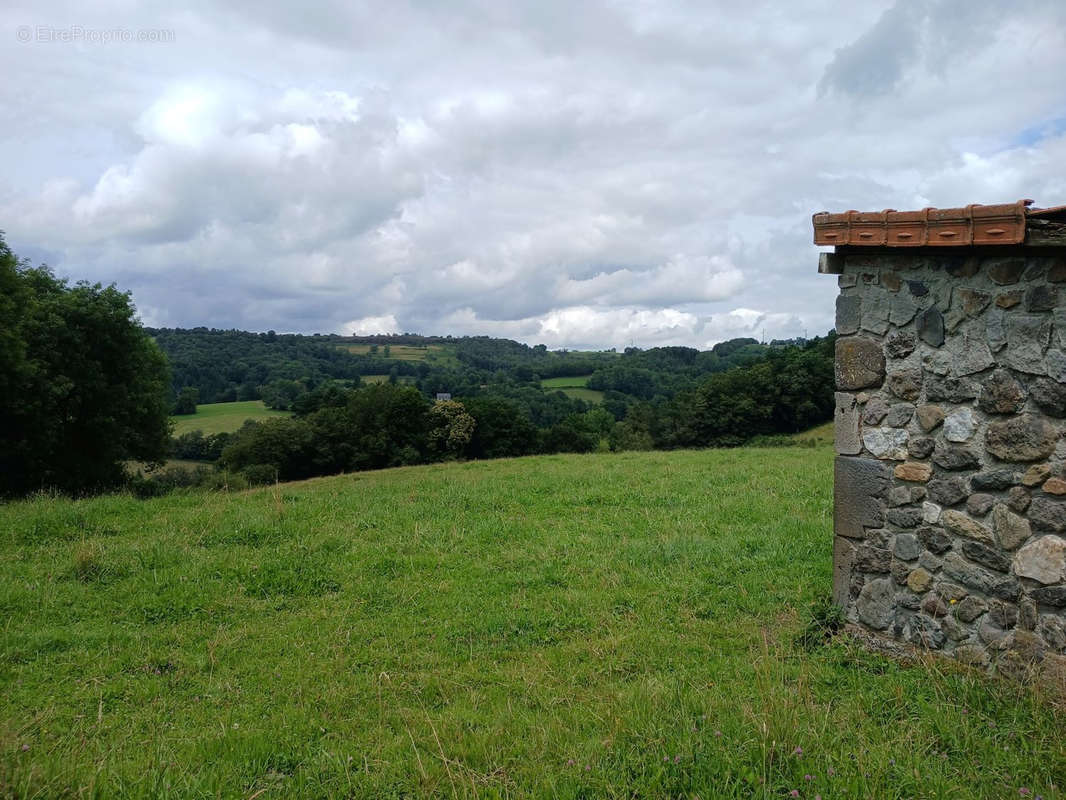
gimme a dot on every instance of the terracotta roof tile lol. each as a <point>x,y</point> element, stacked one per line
<point>932,227</point>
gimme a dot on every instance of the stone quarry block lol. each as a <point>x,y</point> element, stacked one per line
<point>1001,393</point>
<point>913,471</point>
<point>846,425</point>
<point>1043,560</point>
<point>1023,438</point>
<point>1049,396</point>
<point>1041,297</point>
<point>875,604</point>
<point>930,327</point>
<point>858,485</point>
<point>961,525</point>
<point>959,425</point>
<point>900,344</point>
<point>1036,475</point>
<point>859,363</point>
<point>849,312</point>
<point>1006,271</point>
<point>1011,529</point>
<point>1055,486</point>
<point>954,457</point>
<point>887,443</point>
<point>906,384</point>
<point>843,563</point>
<point>929,416</point>
<point>1028,336</point>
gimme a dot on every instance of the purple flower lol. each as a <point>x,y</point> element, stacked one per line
<point>25,747</point>
<point>677,759</point>
<point>570,762</point>
<point>798,751</point>
<point>830,772</point>
<point>717,733</point>
<point>587,768</point>
<point>794,793</point>
<point>666,758</point>
<point>808,777</point>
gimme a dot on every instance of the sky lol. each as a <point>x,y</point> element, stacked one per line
<point>583,175</point>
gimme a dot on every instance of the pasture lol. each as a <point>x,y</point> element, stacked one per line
<point>398,352</point>
<point>612,625</point>
<point>574,387</point>
<point>223,417</point>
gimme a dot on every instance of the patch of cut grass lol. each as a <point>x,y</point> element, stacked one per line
<point>223,417</point>
<point>630,625</point>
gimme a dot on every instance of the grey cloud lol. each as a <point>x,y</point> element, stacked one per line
<point>579,175</point>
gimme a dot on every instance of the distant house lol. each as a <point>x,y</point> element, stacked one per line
<point>444,395</point>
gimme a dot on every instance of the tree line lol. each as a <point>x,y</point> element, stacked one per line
<point>85,390</point>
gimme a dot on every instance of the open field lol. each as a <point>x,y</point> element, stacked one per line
<point>385,378</point>
<point>399,352</point>
<point>616,625</point>
<point>223,417</point>
<point>573,387</point>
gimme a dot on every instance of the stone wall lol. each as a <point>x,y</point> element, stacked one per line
<point>950,477</point>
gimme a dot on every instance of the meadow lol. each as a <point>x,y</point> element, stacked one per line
<point>574,387</point>
<point>223,417</point>
<point>632,625</point>
<point>398,352</point>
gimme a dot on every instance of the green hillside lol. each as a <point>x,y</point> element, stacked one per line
<point>223,417</point>
<point>616,625</point>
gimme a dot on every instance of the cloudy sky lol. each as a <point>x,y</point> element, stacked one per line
<point>587,174</point>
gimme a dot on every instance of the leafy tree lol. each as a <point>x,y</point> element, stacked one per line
<point>83,389</point>
<point>450,428</point>
<point>188,397</point>
<point>501,429</point>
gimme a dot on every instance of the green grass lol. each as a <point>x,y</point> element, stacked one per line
<point>574,387</point>
<point>223,417</point>
<point>576,381</point>
<point>398,352</point>
<point>385,379</point>
<point>616,625</point>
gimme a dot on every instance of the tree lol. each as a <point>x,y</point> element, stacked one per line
<point>83,388</point>
<point>188,397</point>
<point>450,428</point>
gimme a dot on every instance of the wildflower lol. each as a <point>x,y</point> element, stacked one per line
<point>830,772</point>
<point>677,759</point>
<point>569,762</point>
<point>1023,791</point>
<point>587,768</point>
<point>798,751</point>
<point>794,793</point>
<point>718,733</point>
<point>25,747</point>
<point>808,777</point>
<point>666,758</point>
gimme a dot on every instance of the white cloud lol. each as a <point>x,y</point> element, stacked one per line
<point>579,175</point>
<point>368,326</point>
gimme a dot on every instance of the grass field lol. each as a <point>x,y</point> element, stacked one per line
<point>385,378</point>
<point>223,417</point>
<point>399,352</point>
<point>574,387</point>
<point>616,625</point>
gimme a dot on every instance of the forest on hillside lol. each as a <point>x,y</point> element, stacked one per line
<point>371,402</point>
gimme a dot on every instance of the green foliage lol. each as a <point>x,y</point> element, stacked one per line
<point>188,397</point>
<point>82,388</point>
<point>450,429</point>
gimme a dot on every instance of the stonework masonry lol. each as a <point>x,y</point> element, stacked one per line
<point>950,476</point>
